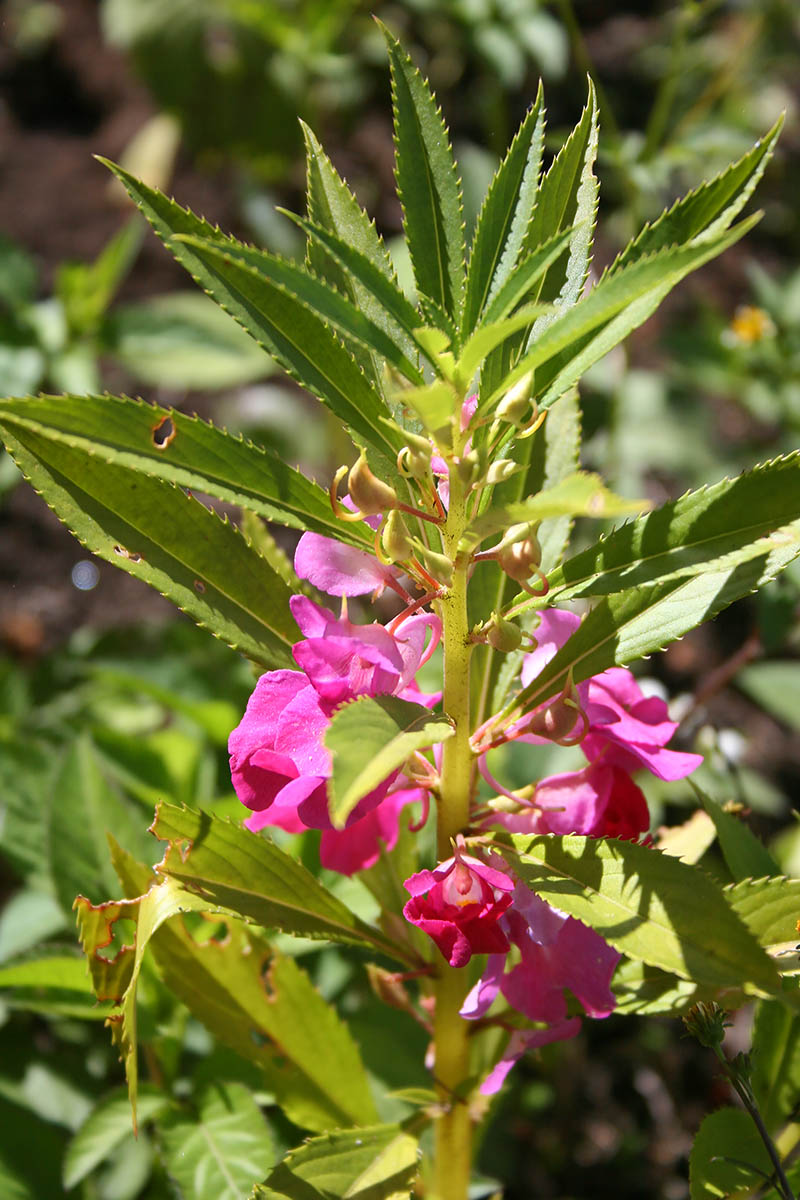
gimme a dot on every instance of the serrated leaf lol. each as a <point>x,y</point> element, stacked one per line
<point>427,185</point>
<point>582,494</point>
<point>221,1149</point>
<point>245,872</point>
<point>260,274</point>
<point>364,1164</point>
<point>521,280</point>
<point>299,340</point>
<point>632,624</point>
<point>504,215</point>
<point>705,527</point>
<point>198,456</point>
<point>117,978</point>
<point>707,210</point>
<point>105,1129</point>
<point>645,904</point>
<point>603,318</point>
<point>727,1144</point>
<point>776,1060</point>
<point>746,857</point>
<point>369,739</point>
<point>264,1007</point>
<point>171,541</point>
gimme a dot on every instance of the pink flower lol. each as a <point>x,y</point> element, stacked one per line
<point>556,952</point>
<point>279,763</point>
<point>465,900</point>
<point>600,801</point>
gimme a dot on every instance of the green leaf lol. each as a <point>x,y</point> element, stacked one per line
<point>745,856</point>
<point>168,539</point>
<point>363,1164</point>
<point>635,623</point>
<point>86,290</point>
<point>776,687</point>
<point>726,1146</point>
<point>183,340</point>
<point>58,984</point>
<point>370,738</point>
<point>245,872</point>
<point>645,904</point>
<point>259,274</point>
<point>221,1149</point>
<point>599,321</point>
<point>504,215</point>
<point>708,527</point>
<point>709,209</point>
<point>427,185</point>
<point>199,456</point>
<point>776,1060</point>
<point>105,1129</point>
<point>300,341</point>
<point>520,282</point>
<point>582,494</point>
<point>770,908</point>
<point>117,978</point>
<point>264,1007</point>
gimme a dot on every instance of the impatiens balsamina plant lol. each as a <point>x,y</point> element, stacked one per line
<point>544,904</point>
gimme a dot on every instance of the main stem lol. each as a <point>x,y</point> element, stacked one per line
<point>453,1132</point>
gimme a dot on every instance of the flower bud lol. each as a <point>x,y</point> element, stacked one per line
<point>555,722</point>
<point>369,494</point>
<point>502,469</point>
<point>503,635</point>
<point>414,459</point>
<point>395,538</point>
<point>516,405</point>
<point>440,566</point>
<point>522,558</point>
<point>468,467</point>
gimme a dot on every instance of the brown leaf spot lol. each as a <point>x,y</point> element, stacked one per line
<point>163,433</point>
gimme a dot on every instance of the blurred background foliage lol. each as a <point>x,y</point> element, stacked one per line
<point>101,714</point>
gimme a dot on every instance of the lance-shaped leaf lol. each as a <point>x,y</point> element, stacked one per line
<point>171,541</point>
<point>645,904</point>
<point>632,624</point>
<point>263,1006</point>
<point>371,738</point>
<point>296,337</point>
<point>106,1128</point>
<point>197,456</point>
<point>705,528</point>
<point>709,209</point>
<point>117,978</point>
<point>219,1147</point>
<point>520,282</point>
<point>745,855</point>
<point>582,494</point>
<point>427,185</point>
<point>261,273</point>
<point>566,200</point>
<point>505,214</point>
<point>245,872</point>
<point>361,1164</point>
<point>598,322</point>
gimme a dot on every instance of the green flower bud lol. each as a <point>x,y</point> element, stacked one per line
<point>502,469</point>
<point>503,635</point>
<point>440,566</point>
<point>516,406</point>
<point>521,559</point>
<point>414,459</point>
<point>369,494</point>
<point>395,538</point>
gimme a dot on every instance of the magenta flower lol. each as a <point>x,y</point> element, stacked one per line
<point>465,900</point>
<point>279,763</point>
<point>555,952</point>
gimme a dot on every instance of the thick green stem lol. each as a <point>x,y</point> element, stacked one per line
<point>453,1139</point>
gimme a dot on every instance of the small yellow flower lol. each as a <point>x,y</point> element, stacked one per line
<point>750,324</point>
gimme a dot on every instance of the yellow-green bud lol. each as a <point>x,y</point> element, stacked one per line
<point>520,559</point>
<point>395,538</point>
<point>502,469</point>
<point>415,457</point>
<point>440,565</point>
<point>516,406</point>
<point>503,635</point>
<point>369,494</point>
